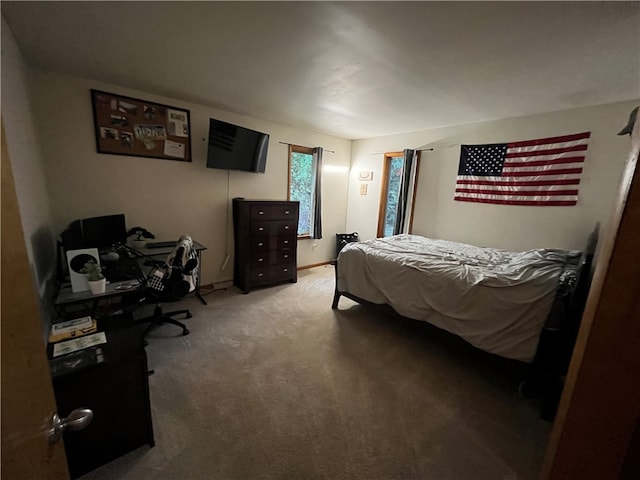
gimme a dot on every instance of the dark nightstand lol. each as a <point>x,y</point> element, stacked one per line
<point>114,385</point>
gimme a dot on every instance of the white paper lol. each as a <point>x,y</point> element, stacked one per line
<point>174,149</point>
<point>79,343</point>
<point>177,123</point>
<point>71,325</point>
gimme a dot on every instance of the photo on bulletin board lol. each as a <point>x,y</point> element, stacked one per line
<point>128,126</point>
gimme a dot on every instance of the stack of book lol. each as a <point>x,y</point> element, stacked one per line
<point>76,345</point>
<point>69,329</point>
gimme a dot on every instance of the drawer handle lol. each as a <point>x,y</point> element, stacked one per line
<point>261,259</point>
<point>261,274</point>
<point>286,241</point>
<point>260,229</point>
<point>287,212</point>
<point>260,212</point>
<point>286,227</point>
<point>260,244</point>
<point>285,256</point>
<point>285,269</point>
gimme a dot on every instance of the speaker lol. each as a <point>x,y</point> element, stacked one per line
<point>76,260</point>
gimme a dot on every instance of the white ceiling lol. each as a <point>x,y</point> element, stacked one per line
<point>350,69</point>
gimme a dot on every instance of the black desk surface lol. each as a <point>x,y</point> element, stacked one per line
<point>115,270</point>
<point>166,250</point>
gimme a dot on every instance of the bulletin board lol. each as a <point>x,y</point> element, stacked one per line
<point>128,126</point>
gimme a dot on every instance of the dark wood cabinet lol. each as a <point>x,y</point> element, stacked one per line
<point>266,242</point>
<point>117,391</point>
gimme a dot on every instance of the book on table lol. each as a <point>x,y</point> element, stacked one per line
<point>77,327</point>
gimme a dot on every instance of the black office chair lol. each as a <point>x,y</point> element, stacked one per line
<point>170,281</point>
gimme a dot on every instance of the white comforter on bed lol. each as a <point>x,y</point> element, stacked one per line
<point>495,299</point>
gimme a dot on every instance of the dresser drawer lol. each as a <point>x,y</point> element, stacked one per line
<point>273,273</point>
<point>261,259</point>
<point>274,212</point>
<point>260,244</point>
<point>259,275</point>
<point>282,271</point>
<point>273,257</point>
<point>285,242</point>
<point>283,256</point>
<point>273,227</point>
<point>262,228</point>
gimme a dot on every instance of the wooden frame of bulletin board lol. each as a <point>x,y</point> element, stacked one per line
<point>128,126</point>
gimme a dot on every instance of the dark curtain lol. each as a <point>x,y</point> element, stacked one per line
<point>316,229</point>
<point>407,185</point>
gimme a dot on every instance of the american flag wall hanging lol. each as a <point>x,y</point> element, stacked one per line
<point>543,172</point>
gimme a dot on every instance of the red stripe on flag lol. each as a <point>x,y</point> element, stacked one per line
<point>535,163</point>
<point>551,151</point>
<point>523,193</point>
<point>508,183</point>
<point>543,141</point>
<point>536,173</point>
<point>534,203</point>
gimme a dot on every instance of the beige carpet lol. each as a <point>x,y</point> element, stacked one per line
<point>276,385</point>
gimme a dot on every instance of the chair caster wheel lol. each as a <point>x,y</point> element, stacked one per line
<point>188,315</point>
<point>185,332</point>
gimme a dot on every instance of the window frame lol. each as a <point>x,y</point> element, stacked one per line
<point>384,191</point>
<point>304,150</point>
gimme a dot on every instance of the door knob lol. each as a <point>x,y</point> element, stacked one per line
<point>77,420</point>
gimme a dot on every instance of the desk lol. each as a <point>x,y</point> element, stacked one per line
<point>66,299</point>
<point>117,391</point>
<point>164,251</point>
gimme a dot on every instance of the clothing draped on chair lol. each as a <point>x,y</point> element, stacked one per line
<point>185,246</point>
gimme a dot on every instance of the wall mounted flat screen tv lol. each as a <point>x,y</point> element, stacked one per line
<point>232,147</point>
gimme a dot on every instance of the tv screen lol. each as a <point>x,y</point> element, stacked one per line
<point>232,147</point>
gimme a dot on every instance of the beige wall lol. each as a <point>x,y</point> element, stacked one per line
<point>27,165</point>
<point>501,226</point>
<point>167,197</point>
<point>60,177</point>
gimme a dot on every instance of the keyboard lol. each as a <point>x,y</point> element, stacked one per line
<point>160,244</point>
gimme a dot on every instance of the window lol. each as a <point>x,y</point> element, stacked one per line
<point>304,186</point>
<point>393,201</point>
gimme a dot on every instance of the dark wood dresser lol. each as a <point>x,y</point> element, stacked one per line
<point>265,242</point>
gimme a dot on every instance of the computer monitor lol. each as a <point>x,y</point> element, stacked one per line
<point>96,232</point>
<point>104,232</point>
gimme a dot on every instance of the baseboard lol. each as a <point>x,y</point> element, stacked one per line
<point>221,285</point>
<point>224,284</point>
<point>314,265</point>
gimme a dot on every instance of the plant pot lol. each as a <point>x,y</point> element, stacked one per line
<point>97,286</point>
<point>138,244</point>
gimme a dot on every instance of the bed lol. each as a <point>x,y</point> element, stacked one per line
<point>497,300</point>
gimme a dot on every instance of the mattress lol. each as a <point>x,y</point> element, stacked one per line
<point>497,300</point>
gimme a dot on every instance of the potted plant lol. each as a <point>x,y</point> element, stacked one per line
<point>95,278</point>
<point>141,235</point>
